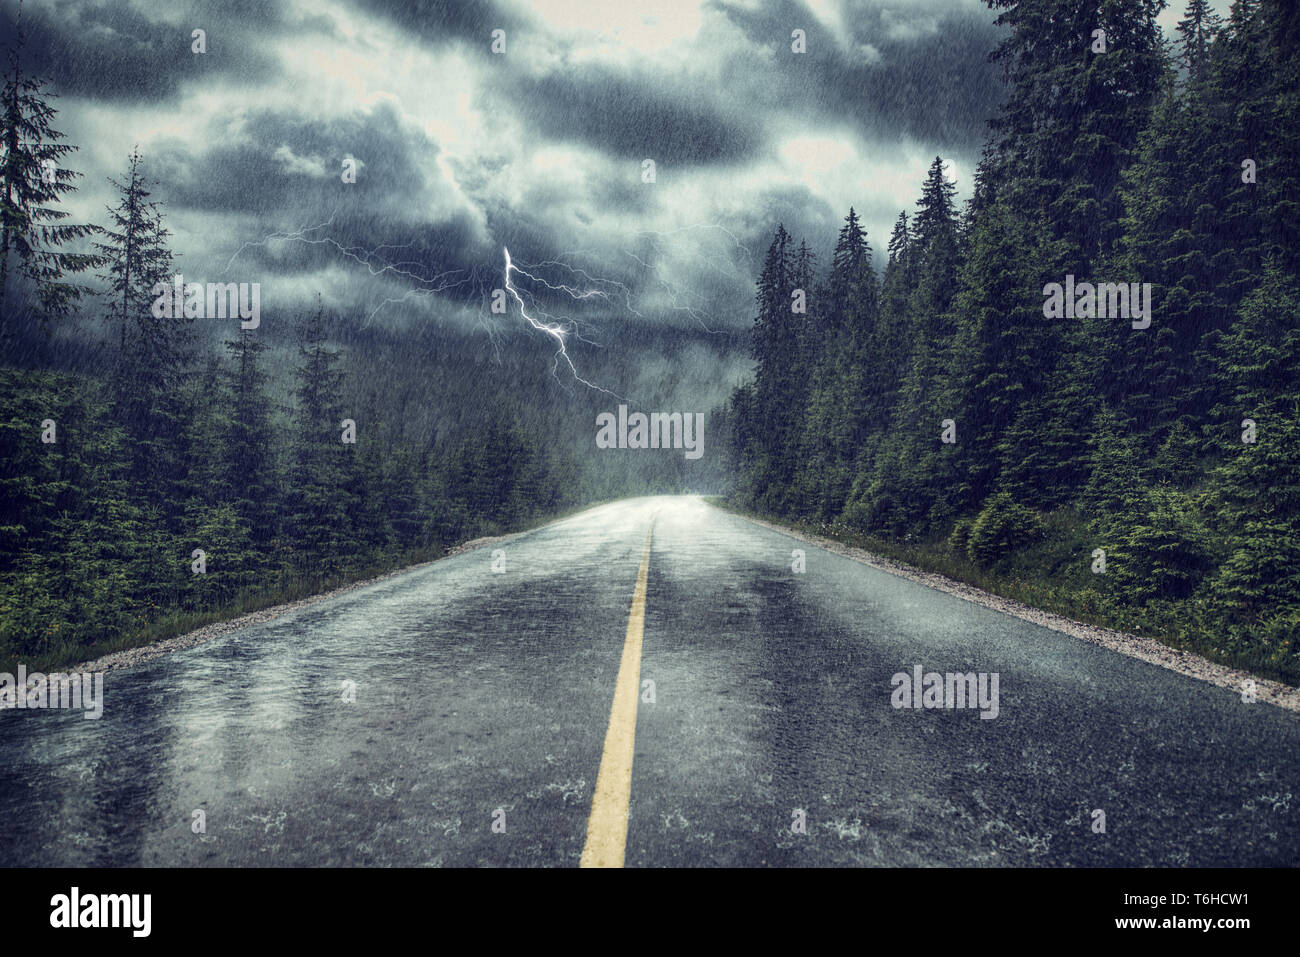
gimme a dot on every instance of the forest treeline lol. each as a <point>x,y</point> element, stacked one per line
<point>129,440</point>
<point>99,525</point>
<point>1144,477</point>
<point>303,453</point>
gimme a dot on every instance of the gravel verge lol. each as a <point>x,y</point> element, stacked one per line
<point>1135,646</point>
<point>128,657</point>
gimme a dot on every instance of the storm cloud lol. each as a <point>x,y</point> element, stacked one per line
<point>461,152</point>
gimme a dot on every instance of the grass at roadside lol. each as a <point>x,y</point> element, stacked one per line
<point>286,588</point>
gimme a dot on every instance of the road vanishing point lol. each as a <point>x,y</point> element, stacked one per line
<point>648,683</point>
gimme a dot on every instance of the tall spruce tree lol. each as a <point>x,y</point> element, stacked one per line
<point>316,517</point>
<point>249,472</point>
<point>1073,113</point>
<point>32,177</point>
<point>775,343</point>
<point>1196,32</point>
<point>912,472</point>
<point>842,396</point>
<point>153,331</point>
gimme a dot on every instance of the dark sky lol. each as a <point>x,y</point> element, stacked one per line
<point>462,152</point>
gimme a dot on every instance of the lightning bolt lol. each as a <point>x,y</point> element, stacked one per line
<point>559,331</point>
<point>384,262</point>
<point>734,265</point>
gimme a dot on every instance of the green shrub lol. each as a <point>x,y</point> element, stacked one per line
<point>959,539</point>
<point>1001,527</point>
<point>1159,553</point>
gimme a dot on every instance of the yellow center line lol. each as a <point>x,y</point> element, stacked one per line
<point>607,826</point>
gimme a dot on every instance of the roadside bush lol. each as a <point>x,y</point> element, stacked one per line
<point>1161,554</point>
<point>959,539</point>
<point>1002,526</point>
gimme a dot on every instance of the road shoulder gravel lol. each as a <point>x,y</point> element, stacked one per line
<point>129,657</point>
<point>1134,646</point>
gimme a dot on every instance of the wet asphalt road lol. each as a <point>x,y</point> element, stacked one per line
<point>485,697</point>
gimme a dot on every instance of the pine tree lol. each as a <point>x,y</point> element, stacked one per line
<point>1257,499</point>
<point>850,262</point>
<point>248,474</point>
<point>936,213</point>
<point>32,178</point>
<point>137,259</point>
<point>843,403</point>
<point>1256,491</point>
<point>1196,226</point>
<point>1280,188</point>
<point>1072,116</point>
<point>808,332</point>
<point>1168,240</point>
<point>154,342</point>
<point>317,522</point>
<point>913,473</point>
<point>1196,31</point>
<point>1066,133</point>
<point>777,387</point>
<point>1258,361</point>
<point>1117,476</point>
<point>1000,346</point>
<point>892,346</point>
